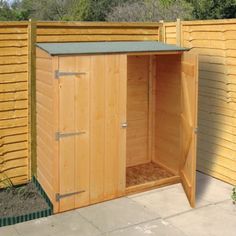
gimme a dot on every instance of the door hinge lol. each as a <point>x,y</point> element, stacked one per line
<point>196,130</point>
<point>58,73</point>
<point>59,196</point>
<point>59,135</point>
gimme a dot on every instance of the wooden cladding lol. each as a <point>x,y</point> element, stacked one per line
<point>14,104</point>
<point>215,43</point>
<point>79,31</point>
<point>213,40</point>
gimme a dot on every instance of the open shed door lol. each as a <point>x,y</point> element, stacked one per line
<point>189,92</point>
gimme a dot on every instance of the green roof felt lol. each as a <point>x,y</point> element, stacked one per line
<point>107,47</point>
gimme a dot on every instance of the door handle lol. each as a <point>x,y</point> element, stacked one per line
<point>124,125</point>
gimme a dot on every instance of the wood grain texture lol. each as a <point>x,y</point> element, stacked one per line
<point>167,112</point>
<point>137,109</point>
<point>188,137</point>
<point>14,126</point>
<point>47,124</point>
<point>107,142</point>
<point>214,42</point>
<point>93,31</point>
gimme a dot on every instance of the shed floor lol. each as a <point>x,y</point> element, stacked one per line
<point>140,174</point>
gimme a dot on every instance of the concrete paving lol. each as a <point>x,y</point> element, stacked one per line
<point>163,212</point>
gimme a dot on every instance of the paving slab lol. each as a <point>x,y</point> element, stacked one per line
<point>140,214</point>
<point>38,227</point>
<point>169,201</point>
<point>72,224</point>
<point>211,220</point>
<point>66,224</point>
<point>8,231</point>
<point>211,189</point>
<point>229,206</point>
<point>157,227</point>
<point>117,214</point>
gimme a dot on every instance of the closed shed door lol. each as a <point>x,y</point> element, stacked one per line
<point>92,107</point>
<point>73,132</point>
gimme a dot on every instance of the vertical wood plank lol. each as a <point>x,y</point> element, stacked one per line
<point>112,128</point>
<point>122,118</point>
<point>97,138</point>
<point>56,160</point>
<point>178,32</point>
<point>150,109</point>
<point>67,124</point>
<point>82,111</point>
<point>32,98</point>
<point>161,29</point>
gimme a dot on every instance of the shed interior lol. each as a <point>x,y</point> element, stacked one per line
<point>153,120</point>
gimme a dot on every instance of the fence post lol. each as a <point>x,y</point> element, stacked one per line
<point>32,96</point>
<point>161,31</point>
<point>178,32</point>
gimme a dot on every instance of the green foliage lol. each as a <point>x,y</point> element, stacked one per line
<point>92,10</point>
<point>6,12</point>
<point>151,10</point>
<point>101,10</point>
<point>233,196</point>
<point>213,9</point>
<point>5,181</point>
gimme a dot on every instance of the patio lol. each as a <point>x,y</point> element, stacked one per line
<point>164,211</point>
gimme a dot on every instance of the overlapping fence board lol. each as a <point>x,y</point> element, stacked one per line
<point>169,31</point>
<point>94,31</point>
<point>215,42</point>
<point>14,103</point>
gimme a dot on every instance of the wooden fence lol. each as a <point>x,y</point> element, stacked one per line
<point>17,78</point>
<point>214,41</point>
<point>14,103</point>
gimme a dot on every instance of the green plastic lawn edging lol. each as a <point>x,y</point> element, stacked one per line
<point>31,216</point>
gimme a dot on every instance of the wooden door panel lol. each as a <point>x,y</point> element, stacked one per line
<point>82,160</point>
<point>73,149</point>
<point>114,158</point>
<point>95,103</point>
<point>66,124</point>
<point>108,99</point>
<point>97,124</point>
<point>189,92</point>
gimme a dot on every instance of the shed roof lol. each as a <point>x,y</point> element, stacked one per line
<point>107,47</point>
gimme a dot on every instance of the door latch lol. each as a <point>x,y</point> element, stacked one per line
<point>60,135</point>
<point>58,73</point>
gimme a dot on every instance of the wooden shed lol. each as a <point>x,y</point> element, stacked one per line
<point>114,118</point>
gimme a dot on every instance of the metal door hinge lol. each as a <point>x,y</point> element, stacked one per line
<point>60,135</point>
<point>196,130</point>
<point>59,196</point>
<point>58,73</point>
